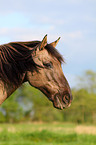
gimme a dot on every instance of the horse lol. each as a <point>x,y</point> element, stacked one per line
<point>38,63</point>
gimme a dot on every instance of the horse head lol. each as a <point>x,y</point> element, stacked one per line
<point>49,77</point>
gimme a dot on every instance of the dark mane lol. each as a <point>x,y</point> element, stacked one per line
<point>16,58</point>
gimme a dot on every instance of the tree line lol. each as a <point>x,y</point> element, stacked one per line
<point>29,104</point>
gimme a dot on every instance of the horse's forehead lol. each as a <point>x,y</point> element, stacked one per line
<point>43,54</point>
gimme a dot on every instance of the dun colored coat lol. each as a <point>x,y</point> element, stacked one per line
<point>38,63</point>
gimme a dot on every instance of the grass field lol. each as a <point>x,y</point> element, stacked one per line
<point>47,134</point>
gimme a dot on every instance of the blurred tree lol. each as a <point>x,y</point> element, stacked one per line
<point>29,104</point>
<point>11,109</point>
<point>83,108</point>
<point>88,81</point>
<point>2,117</point>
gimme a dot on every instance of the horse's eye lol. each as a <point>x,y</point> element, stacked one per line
<point>48,65</point>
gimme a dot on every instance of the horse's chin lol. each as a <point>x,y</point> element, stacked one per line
<point>63,103</point>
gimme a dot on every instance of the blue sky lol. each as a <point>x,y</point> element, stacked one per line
<point>73,20</point>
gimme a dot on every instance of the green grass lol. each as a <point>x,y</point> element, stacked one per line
<point>43,134</point>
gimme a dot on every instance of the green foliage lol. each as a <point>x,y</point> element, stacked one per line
<point>12,110</point>
<point>83,108</point>
<point>2,117</point>
<point>88,81</point>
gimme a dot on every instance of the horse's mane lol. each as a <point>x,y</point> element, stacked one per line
<point>16,58</point>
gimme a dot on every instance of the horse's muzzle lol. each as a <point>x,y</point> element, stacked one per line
<point>62,102</point>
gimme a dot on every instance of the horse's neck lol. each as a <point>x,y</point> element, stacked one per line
<point>6,91</point>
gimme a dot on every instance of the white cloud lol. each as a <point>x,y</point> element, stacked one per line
<point>4,31</point>
<point>73,35</point>
<point>49,20</point>
<point>26,34</point>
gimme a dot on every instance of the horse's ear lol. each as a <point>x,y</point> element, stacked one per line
<point>44,42</point>
<point>55,42</point>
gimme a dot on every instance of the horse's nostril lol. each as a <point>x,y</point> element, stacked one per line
<point>66,99</point>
